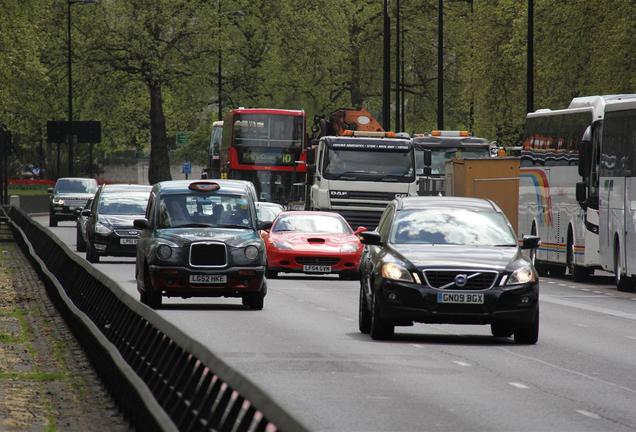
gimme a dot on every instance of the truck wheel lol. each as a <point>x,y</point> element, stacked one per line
<point>364,315</point>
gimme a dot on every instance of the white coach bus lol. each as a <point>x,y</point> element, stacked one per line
<point>549,178</point>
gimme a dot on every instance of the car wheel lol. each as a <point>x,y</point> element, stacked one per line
<point>527,333</point>
<point>150,297</point>
<point>80,244</point>
<point>52,221</point>
<point>254,300</point>
<point>623,282</point>
<point>379,328</point>
<point>350,276</point>
<point>91,254</point>
<point>364,315</point>
<point>271,274</point>
<point>501,330</point>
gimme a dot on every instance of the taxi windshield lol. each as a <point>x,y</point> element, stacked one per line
<point>452,226</point>
<point>204,210</point>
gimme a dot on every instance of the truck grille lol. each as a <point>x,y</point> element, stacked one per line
<point>358,218</point>
<point>208,254</point>
<point>362,195</point>
<point>343,203</point>
<point>317,260</point>
<point>446,279</point>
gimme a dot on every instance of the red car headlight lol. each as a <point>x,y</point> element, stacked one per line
<point>278,244</point>
<point>349,248</point>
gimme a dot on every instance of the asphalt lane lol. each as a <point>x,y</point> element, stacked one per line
<point>305,350</point>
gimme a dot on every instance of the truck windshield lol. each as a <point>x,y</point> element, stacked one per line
<point>360,165</point>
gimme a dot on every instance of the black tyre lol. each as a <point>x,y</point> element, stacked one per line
<point>577,273</point>
<point>542,269</point>
<point>254,301</point>
<point>527,333</point>
<point>623,282</point>
<point>350,276</point>
<point>379,328</point>
<point>271,274</point>
<point>557,271</point>
<point>91,254</point>
<point>150,297</point>
<point>52,221</point>
<point>80,244</point>
<point>501,330</point>
<point>364,314</point>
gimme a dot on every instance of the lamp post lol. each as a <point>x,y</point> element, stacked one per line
<point>219,76</point>
<point>530,59</point>
<point>69,134</point>
<point>386,76</point>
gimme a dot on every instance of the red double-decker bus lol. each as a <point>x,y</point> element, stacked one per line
<point>266,147</point>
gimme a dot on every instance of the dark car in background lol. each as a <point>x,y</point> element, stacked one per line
<point>200,239</point>
<point>109,228</point>
<point>69,197</point>
<point>448,260</point>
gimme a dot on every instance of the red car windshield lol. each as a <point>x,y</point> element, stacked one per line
<point>312,224</point>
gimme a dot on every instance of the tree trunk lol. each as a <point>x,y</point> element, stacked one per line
<point>159,168</point>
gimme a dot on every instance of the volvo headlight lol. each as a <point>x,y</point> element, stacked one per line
<point>396,272</point>
<point>164,252</point>
<point>349,248</point>
<point>522,275</point>
<point>102,229</point>
<point>251,252</point>
<point>281,245</point>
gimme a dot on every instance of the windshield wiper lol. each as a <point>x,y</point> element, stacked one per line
<point>504,245</point>
<point>230,226</point>
<point>351,174</point>
<point>193,225</point>
<point>393,177</point>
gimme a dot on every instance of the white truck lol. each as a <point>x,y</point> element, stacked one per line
<point>358,174</point>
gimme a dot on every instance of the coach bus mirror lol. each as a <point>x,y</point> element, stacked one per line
<point>585,153</point>
<point>530,242</point>
<point>141,224</point>
<point>427,171</point>
<point>428,158</point>
<point>581,192</point>
<point>372,238</point>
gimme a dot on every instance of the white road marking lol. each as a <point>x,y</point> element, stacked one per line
<point>348,319</point>
<point>589,414</point>
<point>580,325</point>
<point>322,309</point>
<point>518,385</point>
<point>631,337</point>
<point>549,299</point>
<point>418,345</point>
<point>598,292</point>
<point>461,363</point>
<point>634,299</point>
<point>571,286</point>
<point>562,285</point>
<point>585,289</point>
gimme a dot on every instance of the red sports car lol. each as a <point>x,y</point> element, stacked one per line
<point>314,243</point>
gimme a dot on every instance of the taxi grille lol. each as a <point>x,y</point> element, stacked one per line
<point>475,279</point>
<point>317,260</point>
<point>208,255</point>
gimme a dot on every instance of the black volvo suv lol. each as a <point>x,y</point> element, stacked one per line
<point>447,260</point>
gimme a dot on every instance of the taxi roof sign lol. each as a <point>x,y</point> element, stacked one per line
<point>204,186</point>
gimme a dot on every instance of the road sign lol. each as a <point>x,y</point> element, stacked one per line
<point>181,138</point>
<point>186,168</point>
<point>86,131</point>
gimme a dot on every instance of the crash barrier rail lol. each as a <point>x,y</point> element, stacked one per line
<point>161,378</point>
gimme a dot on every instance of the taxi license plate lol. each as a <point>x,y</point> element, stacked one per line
<point>128,241</point>
<point>312,268</point>
<point>460,298</point>
<point>208,279</point>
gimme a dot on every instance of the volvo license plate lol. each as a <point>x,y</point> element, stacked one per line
<point>460,298</point>
<point>313,268</point>
<point>208,279</point>
<point>128,241</point>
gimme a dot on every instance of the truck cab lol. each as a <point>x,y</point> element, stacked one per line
<point>358,174</point>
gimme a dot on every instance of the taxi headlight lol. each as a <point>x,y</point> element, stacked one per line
<point>281,245</point>
<point>164,252</point>
<point>102,229</point>
<point>396,272</point>
<point>522,276</point>
<point>251,252</point>
<point>349,248</point>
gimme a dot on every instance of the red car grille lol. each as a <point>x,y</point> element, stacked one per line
<point>317,260</point>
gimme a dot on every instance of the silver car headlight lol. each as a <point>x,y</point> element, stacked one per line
<point>522,275</point>
<point>102,229</point>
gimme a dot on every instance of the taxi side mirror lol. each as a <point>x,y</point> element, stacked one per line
<point>264,225</point>
<point>141,224</point>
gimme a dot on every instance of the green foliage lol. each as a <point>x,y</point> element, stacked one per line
<point>316,55</point>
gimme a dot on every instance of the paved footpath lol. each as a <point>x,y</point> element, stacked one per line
<point>46,380</point>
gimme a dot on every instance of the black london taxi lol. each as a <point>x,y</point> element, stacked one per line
<point>447,260</point>
<point>200,239</point>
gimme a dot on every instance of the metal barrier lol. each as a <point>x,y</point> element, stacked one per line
<point>161,378</point>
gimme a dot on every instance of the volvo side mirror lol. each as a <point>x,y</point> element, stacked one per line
<point>371,238</point>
